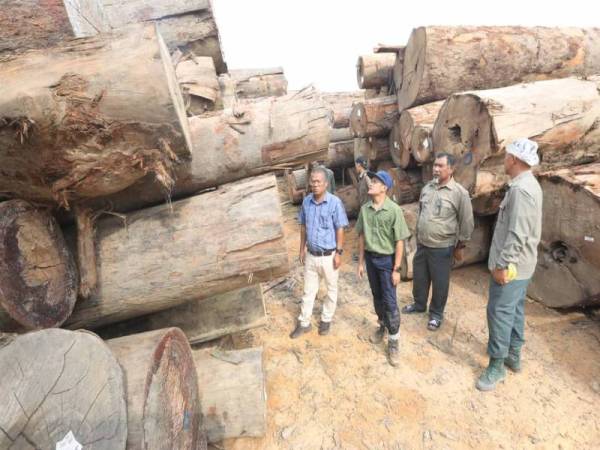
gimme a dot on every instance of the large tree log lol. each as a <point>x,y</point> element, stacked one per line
<point>297,184</point>
<point>560,115</point>
<point>253,138</point>
<point>232,386</point>
<point>476,249</point>
<point>569,251</point>
<point>252,83</point>
<point>55,382</point>
<point>161,257</point>
<point>29,24</point>
<point>397,72</point>
<point>415,126</point>
<point>201,320</point>
<point>349,197</point>
<point>197,78</point>
<point>407,185</point>
<point>163,402</point>
<point>374,117</point>
<point>38,275</point>
<point>374,150</point>
<point>185,24</point>
<point>388,48</point>
<point>340,134</point>
<point>374,71</point>
<point>340,154</point>
<point>399,145</point>
<point>102,113</point>
<point>440,61</point>
<point>341,104</point>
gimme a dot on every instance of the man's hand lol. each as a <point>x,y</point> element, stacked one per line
<point>360,271</point>
<point>302,256</point>
<point>395,278</point>
<point>459,254</point>
<point>500,276</point>
<point>337,261</point>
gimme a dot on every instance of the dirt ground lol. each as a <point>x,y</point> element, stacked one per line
<point>339,392</point>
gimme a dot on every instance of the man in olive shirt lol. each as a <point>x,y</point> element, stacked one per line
<point>512,261</point>
<point>381,229</point>
<point>444,224</point>
<point>363,180</point>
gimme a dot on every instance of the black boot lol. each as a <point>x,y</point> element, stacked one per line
<point>300,330</point>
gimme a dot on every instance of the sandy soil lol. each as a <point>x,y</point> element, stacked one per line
<point>339,392</point>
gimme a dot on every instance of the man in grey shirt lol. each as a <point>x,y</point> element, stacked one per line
<point>512,261</point>
<point>444,224</point>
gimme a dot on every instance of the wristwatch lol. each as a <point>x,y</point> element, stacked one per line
<point>339,251</point>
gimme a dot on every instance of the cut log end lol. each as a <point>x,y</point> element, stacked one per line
<point>400,144</point>
<point>420,144</point>
<point>358,120</point>
<point>38,276</point>
<point>413,68</point>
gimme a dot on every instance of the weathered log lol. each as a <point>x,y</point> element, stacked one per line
<point>163,402</point>
<point>233,391</point>
<point>427,172</point>
<point>340,134</point>
<point>476,249</point>
<point>340,104</point>
<point>161,257</point>
<point>38,276</point>
<point>423,116</point>
<point>407,185</point>
<point>197,78</point>
<point>386,165</point>
<point>349,197</point>
<point>201,320</point>
<point>560,115</point>
<point>102,113</point>
<point>399,145</point>
<point>86,251</point>
<point>569,251</point>
<point>185,24</point>
<point>297,185</point>
<point>397,72</point>
<point>374,117</point>
<point>374,71</point>
<point>388,48</point>
<point>252,83</point>
<point>421,146</point>
<point>253,138</point>
<point>340,154</point>
<point>440,61</point>
<point>30,24</point>
<point>55,382</point>
<point>374,150</point>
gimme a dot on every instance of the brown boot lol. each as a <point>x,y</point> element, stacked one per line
<point>393,352</point>
<point>377,337</point>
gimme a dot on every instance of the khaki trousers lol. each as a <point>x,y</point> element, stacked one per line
<point>316,267</point>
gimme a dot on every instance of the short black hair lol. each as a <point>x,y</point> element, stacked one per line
<point>450,159</point>
<point>322,170</point>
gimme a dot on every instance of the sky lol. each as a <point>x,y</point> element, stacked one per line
<point>319,41</point>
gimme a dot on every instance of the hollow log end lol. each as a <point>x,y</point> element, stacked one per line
<point>172,402</point>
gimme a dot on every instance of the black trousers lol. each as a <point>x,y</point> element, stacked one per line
<point>431,268</point>
<point>379,271</point>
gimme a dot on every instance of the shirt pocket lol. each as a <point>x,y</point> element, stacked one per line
<point>446,209</point>
<point>325,222</point>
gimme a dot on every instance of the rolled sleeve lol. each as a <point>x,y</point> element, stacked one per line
<point>340,220</point>
<point>466,221</point>
<point>401,230</point>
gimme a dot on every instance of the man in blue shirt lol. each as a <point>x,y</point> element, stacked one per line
<point>322,221</point>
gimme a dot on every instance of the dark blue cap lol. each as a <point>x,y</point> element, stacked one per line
<point>383,176</point>
<point>361,161</point>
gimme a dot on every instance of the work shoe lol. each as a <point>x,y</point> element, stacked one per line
<point>324,328</point>
<point>434,324</point>
<point>377,337</point>
<point>300,330</point>
<point>412,309</point>
<point>393,352</point>
<point>494,373</point>
<point>513,360</point>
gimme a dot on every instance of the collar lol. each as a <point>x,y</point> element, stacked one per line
<point>325,199</point>
<point>520,177</point>
<point>385,205</point>
<point>451,185</point>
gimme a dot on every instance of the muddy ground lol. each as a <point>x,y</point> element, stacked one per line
<point>339,392</point>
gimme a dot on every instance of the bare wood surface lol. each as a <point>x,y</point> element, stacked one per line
<point>86,251</point>
<point>374,71</point>
<point>440,61</point>
<point>341,104</point>
<point>57,381</point>
<point>407,185</point>
<point>340,154</point>
<point>374,117</point>
<point>199,84</point>
<point>349,197</point>
<point>252,83</point>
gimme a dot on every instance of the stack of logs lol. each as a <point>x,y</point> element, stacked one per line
<point>470,91</point>
<point>136,200</point>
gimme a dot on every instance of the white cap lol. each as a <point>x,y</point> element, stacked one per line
<point>525,150</point>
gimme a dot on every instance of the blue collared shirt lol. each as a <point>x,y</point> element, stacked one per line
<point>322,220</point>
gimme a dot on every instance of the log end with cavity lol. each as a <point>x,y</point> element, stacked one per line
<point>172,401</point>
<point>420,144</point>
<point>413,68</point>
<point>38,275</point>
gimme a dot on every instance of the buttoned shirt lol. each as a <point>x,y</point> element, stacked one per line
<point>322,220</point>
<point>382,227</point>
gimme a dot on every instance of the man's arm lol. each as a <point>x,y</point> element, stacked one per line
<point>339,244</point>
<point>520,208</point>
<point>397,262</point>
<point>466,221</point>
<point>361,256</point>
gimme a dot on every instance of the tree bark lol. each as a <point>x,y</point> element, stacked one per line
<point>252,139</point>
<point>101,114</point>
<point>86,251</point>
<point>341,104</point>
<point>252,83</point>
<point>202,320</point>
<point>197,78</point>
<point>440,61</point>
<point>185,24</point>
<point>560,115</point>
<point>233,390</point>
<point>476,249</point>
<point>31,24</point>
<point>374,117</point>
<point>340,154</point>
<point>569,251</point>
<point>57,381</point>
<point>163,402</point>
<point>161,257</point>
<point>374,71</point>
<point>38,276</point>
<point>407,185</point>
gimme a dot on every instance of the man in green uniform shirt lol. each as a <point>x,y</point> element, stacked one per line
<point>381,229</point>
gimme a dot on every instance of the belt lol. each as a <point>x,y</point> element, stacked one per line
<point>321,252</point>
<point>377,255</point>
